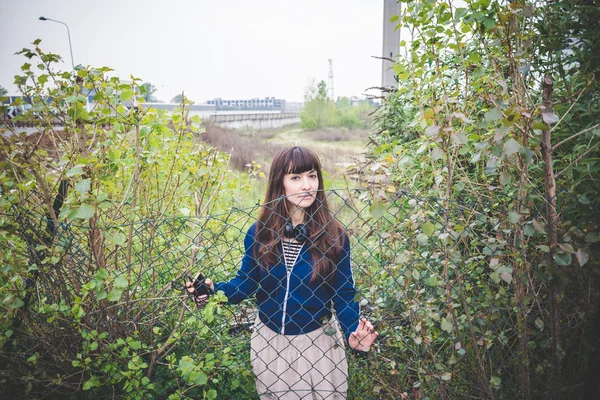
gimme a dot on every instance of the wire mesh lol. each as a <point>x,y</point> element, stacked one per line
<point>434,276</point>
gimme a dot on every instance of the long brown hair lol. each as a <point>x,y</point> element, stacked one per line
<point>325,232</point>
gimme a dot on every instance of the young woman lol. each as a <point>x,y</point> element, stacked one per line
<point>297,263</point>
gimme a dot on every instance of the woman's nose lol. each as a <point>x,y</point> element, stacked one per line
<point>305,183</point>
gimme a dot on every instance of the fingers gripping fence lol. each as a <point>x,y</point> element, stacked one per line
<point>427,273</point>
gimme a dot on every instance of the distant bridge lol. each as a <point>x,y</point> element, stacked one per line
<point>238,119</point>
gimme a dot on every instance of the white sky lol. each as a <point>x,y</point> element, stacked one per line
<point>227,48</point>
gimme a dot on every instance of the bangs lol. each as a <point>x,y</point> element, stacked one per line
<point>302,160</point>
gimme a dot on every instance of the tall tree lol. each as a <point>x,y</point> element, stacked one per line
<point>148,91</point>
<point>318,110</point>
<point>3,91</point>
<point>180,98</point>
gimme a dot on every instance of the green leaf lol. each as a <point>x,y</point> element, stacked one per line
<point>121,282</point>
<point>212,394</point>
<point>543,248</point>
<point>539,323</point>
<point>495,381</point>
<point>493,115</point>
<point>478,72</point>
<point>511,147</point>
<point>74,171</point>
<point>446,325</point>
<point>432,281</point>
<point>437,154</point>
<point>90,383</point>
<point>514,217</point>
<point>428,228</point>
<point>422,239</point>
<point>463,118</point>
<point>491,167</point>
<point>118,238</point>
<point>84,212</point>
<point>11,301</point>
<point>550,118</point>
<point>562,259</point>
<point>476,157</point>
<point>114,295</point>
<point>126,95</point>
<point>101,274</point>
<point>83,187</point>
<point>446,376</point>
<point>394,18</point>
<point>416,274</point>
<point>567,248</point>
<point>489,23</point>
<point>377,210</point>
<point>199,378</point>
<point>460,12</point>
<point>527,154</point>
<point>495,276</point>
<point>592,237</point>
<point>529,230</point>
<point>82,114</point>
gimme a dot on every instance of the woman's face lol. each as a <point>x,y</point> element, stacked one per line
<point>301,189</point>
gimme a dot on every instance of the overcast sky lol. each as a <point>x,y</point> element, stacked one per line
<point>234,49</point>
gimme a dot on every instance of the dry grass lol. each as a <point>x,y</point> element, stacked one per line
<point>243,148</point>
<point>338,135</point>
<point>337,148</point>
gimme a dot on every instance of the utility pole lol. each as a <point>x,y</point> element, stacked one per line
<point>330,81</point>
<point>391,45</point>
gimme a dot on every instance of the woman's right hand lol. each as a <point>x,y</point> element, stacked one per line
<point>199,300</point>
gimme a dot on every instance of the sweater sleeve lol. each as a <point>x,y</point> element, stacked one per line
<point>247,278</point>
<point>346,308</point>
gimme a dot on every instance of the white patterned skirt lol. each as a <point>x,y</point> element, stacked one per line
<point>309,366</point>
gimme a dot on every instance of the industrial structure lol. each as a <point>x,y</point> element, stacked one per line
<point>330,82</point>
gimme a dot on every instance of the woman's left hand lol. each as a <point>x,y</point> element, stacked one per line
<point>363,337</point>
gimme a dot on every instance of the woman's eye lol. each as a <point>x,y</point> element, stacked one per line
<point>313,176</point>
<point>295,178</point>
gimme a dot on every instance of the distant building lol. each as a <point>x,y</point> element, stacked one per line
<point>268,103</point>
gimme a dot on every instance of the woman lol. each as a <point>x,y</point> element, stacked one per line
<point>297,262</point>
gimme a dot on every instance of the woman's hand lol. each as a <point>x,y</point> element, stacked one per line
<point>199,300</point>
<point>363,337</point>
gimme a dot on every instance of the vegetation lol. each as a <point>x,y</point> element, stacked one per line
<point>77,310</point>
<point>320,111</point>
<point>147,91</point>
<point>180,98</point>
<point>497,106</point>
<point>474,235</point>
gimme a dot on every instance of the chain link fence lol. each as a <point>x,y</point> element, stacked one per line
<point>456,291</point>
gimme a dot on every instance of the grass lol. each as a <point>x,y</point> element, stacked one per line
<point>338,148</point>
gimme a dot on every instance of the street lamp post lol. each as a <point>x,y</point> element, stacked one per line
<point>68,34</point>
<point>87,104</point>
